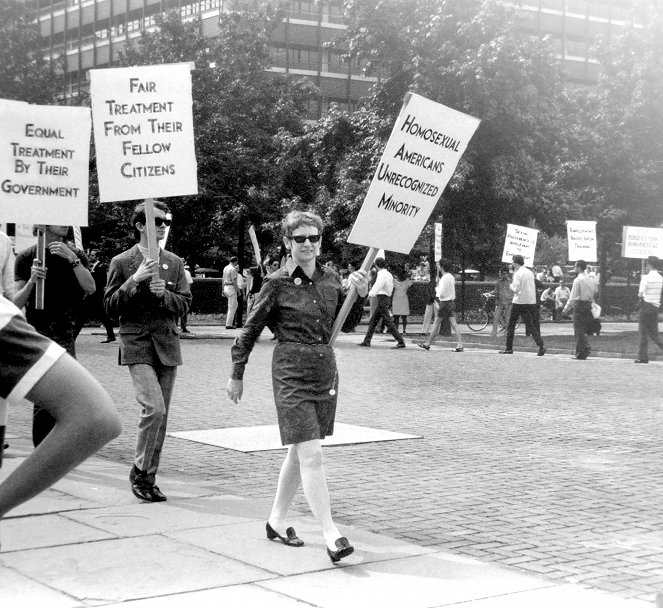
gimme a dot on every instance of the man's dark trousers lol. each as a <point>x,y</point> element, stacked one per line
<point>382,312</point>
<point>527,312</point>
<point>648,327</point>
<point>582,317</point>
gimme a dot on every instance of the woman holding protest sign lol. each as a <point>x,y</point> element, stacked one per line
<point>299,302</point>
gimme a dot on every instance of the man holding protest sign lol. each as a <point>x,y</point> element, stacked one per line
<point>148,296</point>
<point>524,305</point>
<point>66,282</point>
<point>649,293</point>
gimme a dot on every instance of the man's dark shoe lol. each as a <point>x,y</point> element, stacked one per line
<point>423,345</point>
<point>366,344</point>
<point>579,357</point>
<point>640,361</point>
<point>107,341</point>
<point>147,491</point>
<point>542,351</point>
<point>506,352</point>
<point>399,345</point>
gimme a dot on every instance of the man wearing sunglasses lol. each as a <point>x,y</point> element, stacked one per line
<point>147,297</point>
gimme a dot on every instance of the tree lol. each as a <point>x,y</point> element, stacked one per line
<point>614,172</point>
<point>468,55</point>
<point>25,75</point>
<point>238,112</point>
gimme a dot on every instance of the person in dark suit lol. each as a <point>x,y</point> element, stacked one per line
<point>99,272</point>
<point>148,297</point>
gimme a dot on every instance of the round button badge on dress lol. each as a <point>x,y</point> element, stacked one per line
<point>298,281</point>
<point>164,266</point>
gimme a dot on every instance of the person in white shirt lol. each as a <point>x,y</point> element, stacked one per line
<point>650,296</point>
<point>446,296</point>
<point>7,287</point>
<point>524,305</point>
<point>230,289</point>
<point>582,296</point>
<point>562,295</point>
<point>557,273</point>
<point>382,290</point>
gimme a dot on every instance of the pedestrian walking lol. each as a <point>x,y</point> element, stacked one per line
<point>503,300</point>
<point>189,281</point>
<point>95,302</point>
<point>524,306</point>
<point>382,290</point>
<point>300,302</point>
<point>148,296</point>
<point>66,282</point>
<point>400,303</point>
<point>649,293</point>
<point>580,301</point>
<point>446,298</point>
<point>230,289</point>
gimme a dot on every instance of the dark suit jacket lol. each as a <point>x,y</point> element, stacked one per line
<point>148,324</point>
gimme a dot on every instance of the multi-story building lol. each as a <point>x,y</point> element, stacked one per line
<point>88,34</point>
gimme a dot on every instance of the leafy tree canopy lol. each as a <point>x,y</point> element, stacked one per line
<point>25,76</point>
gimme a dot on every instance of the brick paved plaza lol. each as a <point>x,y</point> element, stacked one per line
<point>549,466</point>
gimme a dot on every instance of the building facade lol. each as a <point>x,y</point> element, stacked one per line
<point>85,34</point>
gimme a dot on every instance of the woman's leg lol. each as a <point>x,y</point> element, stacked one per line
<point>289,480</point>
<point>315,488</point>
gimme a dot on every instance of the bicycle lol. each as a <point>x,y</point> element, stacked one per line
<point>479,318</point>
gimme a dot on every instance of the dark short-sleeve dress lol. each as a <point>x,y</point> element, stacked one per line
<point>301,313</point>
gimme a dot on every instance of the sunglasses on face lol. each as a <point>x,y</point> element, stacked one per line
<point>301,238</point>
<point>160,221</point>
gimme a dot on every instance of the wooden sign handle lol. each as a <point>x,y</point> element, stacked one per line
<point>3,424</point>
<point>150,228</point>
<point>40,259</point>
<point>352,296</point>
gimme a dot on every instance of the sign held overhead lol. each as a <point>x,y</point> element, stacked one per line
<point>419,159</point>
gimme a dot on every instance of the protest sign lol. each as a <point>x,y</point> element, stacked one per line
<point>582,240</point>
<point>438,241</point>
<point>519,241</point>
<point>44,163</point>
<point>419,159</point>
<point>143,132</point>
<point>641,242</point>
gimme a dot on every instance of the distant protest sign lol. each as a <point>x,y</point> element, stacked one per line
<point>640,242</point>
<point>581,236</point>
<point>44,164</point>
<point>519,241</point>
<point>419,159</point>
<point>143,132</point>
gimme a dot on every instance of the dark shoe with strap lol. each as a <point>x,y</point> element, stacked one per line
<point>291,539</point>
<point>343,549</point>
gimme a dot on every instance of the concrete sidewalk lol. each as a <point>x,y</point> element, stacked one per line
<point>89,542</point>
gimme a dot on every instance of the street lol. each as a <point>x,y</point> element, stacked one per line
<point>545,465</point>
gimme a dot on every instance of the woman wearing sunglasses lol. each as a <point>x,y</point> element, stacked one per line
<point>299,302</point>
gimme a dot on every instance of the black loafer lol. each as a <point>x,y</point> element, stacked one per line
<point>344,548</point>
<point>291,539</point>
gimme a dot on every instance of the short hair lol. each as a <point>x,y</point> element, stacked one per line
<point>581,264</point>
<point>233,259</point>
<point>380,262</point>
<point>139,215</point>
<point>653,261</point>
<point>297,219</point>
<point>444,264</point>
<point>518,259</point>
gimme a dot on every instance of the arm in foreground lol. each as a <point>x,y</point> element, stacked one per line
<point>85,420</point>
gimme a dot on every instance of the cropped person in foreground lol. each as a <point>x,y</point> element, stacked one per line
<point>299,303</point>
<point>36,368</point>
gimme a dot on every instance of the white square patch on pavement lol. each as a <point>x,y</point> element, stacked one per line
<point>266,437</point>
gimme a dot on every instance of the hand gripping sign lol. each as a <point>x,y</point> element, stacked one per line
<point>418,161</point>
